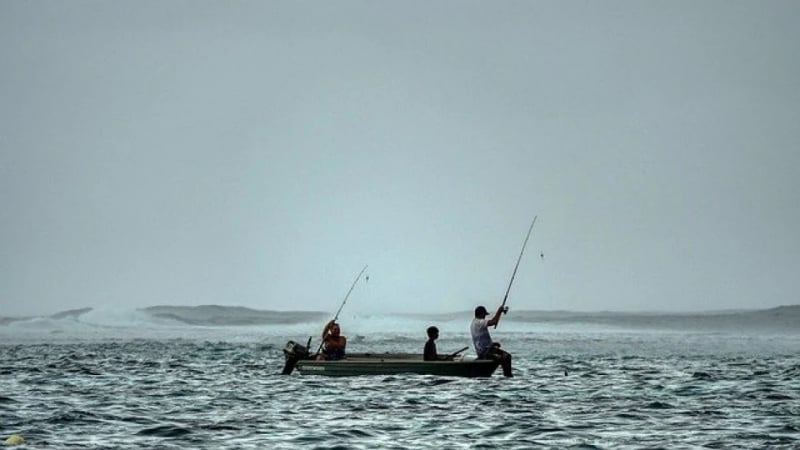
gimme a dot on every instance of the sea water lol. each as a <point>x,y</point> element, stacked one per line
<point>82,382</point>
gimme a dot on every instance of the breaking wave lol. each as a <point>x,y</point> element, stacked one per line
<point>240,323</point>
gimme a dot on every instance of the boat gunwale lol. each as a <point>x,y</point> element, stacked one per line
<point>380,360</point>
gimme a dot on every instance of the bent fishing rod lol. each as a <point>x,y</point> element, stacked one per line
<point>344,301</point>
<point>514,274</point>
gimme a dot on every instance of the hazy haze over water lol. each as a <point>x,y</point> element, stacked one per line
<point>259,154</point>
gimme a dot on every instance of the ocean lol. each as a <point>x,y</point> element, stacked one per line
<point>209,377</point>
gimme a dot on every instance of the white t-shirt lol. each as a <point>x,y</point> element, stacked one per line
<point>480,335</point>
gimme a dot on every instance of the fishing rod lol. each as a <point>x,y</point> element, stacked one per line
<point>453,355</point>
<point>517,266</point>
<point>344,301</point>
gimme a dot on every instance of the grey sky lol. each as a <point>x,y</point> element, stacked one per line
<point>260,153</point>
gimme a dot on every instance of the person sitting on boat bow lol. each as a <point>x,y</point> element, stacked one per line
<point>333,343</point>
<point>484,347</point>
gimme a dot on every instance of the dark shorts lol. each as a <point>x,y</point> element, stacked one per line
<point>333,355</point>
<point>494,352</point>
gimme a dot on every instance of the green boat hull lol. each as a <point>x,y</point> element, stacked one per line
<point>299,358</point>
<point>389,364</point>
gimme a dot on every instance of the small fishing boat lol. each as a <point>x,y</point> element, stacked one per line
<point>298,357</point>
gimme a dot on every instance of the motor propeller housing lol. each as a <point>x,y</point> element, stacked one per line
<point>294,352</point>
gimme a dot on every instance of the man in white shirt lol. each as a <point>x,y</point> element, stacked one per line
<point>484,347</point>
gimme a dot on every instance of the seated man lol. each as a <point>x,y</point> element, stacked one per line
<point>333,343</point>
<point>484,347</point>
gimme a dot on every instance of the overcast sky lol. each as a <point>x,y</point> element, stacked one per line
<point>260,153</point>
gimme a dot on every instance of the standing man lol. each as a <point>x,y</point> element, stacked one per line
<point>484,347</point>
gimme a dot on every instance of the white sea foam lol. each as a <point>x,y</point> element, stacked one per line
<point>242,324</point>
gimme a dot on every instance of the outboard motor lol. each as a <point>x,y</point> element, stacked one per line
<point>293,352</point>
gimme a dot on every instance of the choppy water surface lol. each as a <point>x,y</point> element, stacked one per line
<point>601,389</point>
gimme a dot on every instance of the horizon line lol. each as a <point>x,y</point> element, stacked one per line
<point>86,309</point>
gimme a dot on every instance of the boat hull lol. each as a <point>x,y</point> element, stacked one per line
<point>394,364</point>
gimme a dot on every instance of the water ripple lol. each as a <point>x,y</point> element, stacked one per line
<point>184,394</point>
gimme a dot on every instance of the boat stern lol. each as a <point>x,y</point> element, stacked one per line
<point>293,352</point>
